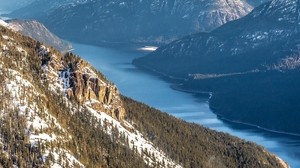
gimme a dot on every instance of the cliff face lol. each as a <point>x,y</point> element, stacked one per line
<point>81,82</point>
<point>86,86</point>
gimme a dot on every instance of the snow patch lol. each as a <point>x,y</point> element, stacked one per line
<point>3,23</point>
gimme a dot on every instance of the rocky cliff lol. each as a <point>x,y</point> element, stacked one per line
<point>80,81</point>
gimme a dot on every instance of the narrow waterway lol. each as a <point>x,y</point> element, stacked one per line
<point>156,92</point>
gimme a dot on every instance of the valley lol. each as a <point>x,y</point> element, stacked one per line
<point>152,89</point>
<point>57,110</point>
<point>221,90</point>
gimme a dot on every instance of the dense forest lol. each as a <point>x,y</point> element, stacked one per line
<point>193,145</point>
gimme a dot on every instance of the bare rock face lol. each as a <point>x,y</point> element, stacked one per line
<point>102,96</point>
<point>79,81</point>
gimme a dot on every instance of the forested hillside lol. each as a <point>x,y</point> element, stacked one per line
<point>58,111</point>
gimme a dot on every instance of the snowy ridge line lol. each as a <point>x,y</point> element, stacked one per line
<point>136,140</point>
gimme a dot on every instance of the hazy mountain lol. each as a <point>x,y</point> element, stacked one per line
<point>58,111</point>
<point>263,45</point>
<point>134,20</point>
<point>38,8</point>
<point>256,3</point>
<point>39,32</point>
<point>13,4</point>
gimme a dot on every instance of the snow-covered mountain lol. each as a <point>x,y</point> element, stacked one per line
<point>155,21</point>
<point>58,111</point>
<point>266,40</point>
<point>266,36</point>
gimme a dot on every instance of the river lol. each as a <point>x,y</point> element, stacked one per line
<point>156,92</point>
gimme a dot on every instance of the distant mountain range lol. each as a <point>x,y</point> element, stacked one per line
<point>250,64</point>
<point>132,21</point>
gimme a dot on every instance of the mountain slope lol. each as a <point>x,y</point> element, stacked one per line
<point>57,111</point>
<point>256,3</point>
<point>136,21</point>
<point>270,32</point>
<point>39,32</point>
<point>264,42</point>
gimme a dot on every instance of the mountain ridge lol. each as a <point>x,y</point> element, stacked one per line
<point>139,21</point>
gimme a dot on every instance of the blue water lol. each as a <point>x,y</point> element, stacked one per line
<point>156,92</point>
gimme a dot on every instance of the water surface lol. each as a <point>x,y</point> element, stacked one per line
<point>154,91</point>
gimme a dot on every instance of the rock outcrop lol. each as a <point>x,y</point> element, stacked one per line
<point>81,82</point>
<point>86,86</point>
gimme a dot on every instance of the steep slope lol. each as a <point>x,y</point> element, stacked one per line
<point>264,42</point>
<point>39,32</point>
<point>71,115</point>
<point>138,21</point>
<point>57,111</point>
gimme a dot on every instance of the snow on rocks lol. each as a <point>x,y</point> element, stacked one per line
<point>38,119</point>
<point>69,160</point>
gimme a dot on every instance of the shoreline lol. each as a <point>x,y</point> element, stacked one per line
<point>256,126</point>
<point>209,94</point>
<point>153,71</point>
<point>178,88</point>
